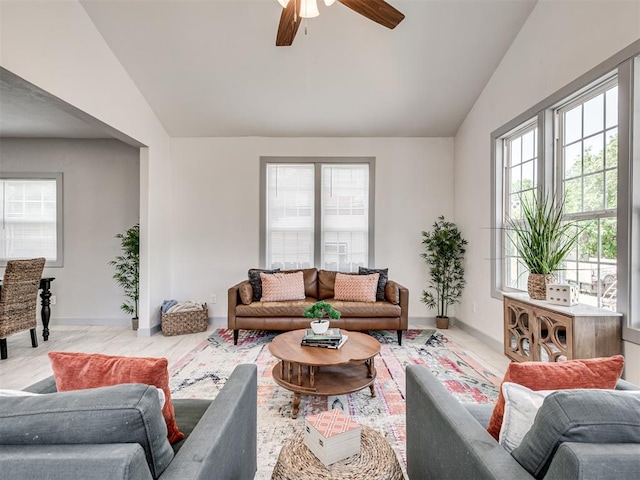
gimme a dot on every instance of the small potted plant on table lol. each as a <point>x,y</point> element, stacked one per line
<point>543,240</point>
<point>318,311</point>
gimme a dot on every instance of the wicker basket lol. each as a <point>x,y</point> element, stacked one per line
<point>180,323</point>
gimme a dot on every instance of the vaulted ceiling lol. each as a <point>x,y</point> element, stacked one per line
<point>211,67</point>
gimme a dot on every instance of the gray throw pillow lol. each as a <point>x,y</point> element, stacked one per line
<point>583,416</point>
<point>256,283</point>
<point>382,280</point>
<point>126,413</point>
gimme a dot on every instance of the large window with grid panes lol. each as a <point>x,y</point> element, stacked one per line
<point>581,145</point>
<point>582,175</point>
<point>317,212</point>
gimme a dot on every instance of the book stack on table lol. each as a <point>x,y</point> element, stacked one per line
<point>332,338</point>
<point>332,436</point>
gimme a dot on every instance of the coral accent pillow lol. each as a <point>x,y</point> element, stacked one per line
<point>280,287</point>
<point>356,288</point>
<point>78,371</point>
<point>587,373</point>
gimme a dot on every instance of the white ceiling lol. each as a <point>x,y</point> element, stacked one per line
<point>211,67</point>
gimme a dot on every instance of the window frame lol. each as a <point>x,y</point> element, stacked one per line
<point>58,177</point>
<point>619,65</point>
<point>318,162</point>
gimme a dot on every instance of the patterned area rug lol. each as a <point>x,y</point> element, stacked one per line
<point>202,373</point>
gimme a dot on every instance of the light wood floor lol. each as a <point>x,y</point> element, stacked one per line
<point>27,365</point>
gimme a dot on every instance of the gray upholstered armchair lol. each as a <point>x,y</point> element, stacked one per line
<point>18,297</point>
<point>118,432</point>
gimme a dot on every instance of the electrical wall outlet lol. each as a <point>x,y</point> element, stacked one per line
<point>53,300</point>
<point>214,298</point>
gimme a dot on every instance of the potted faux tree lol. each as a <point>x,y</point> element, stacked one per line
<point>318,311</point>
<point>444,255</point>
<point>542,240</point>
<point>127,274</point>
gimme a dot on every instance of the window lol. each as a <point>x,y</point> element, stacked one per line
<point>588,155</point>
<point>520,151</point>
<point>317,212</point>
<point>31,221</point>
<point>588,172</point>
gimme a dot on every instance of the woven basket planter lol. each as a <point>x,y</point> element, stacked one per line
<point>180,323</point>
<point>537,285</point>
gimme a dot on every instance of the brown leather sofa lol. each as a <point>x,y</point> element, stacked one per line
<point>247,314</point>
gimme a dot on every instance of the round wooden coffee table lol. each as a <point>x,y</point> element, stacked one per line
<point>324,371</point>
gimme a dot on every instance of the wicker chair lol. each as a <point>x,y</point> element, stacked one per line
<point>18,298</point>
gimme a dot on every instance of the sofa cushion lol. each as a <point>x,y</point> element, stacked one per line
<point>326,283</point>
<point>356,288</point>
<point>256,282</point>
<point>392,293</point>
<point>583,416</point>
<point>245,290</point>
<point>293,308</point>
<point>76,371</point>
<point>280,287</point>
<point>365,309</point>
<point>588,373</point>
<point>382,280</point>
<point>310,280</point>
<point>520,407</point>
<point>128,413</point>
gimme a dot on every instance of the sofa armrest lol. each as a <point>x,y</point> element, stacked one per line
<point>233,299</point>
<point>624,385</point>
<point>115,461</point>
<point>591,461</point>
<point>224,443</point>
<point>48,385</point>
<point>444,441</point>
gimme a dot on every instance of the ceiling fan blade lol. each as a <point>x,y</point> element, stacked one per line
<point>377,10</point>
<point>289,23</point>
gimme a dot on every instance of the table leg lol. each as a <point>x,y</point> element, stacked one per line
<point>296,405</point>
<point>45,313</point>
<point>370,365</point>
<point>373,390</point>
<point>312,376</point>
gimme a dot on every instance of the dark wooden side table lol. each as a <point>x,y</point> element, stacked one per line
<point>45,297</point>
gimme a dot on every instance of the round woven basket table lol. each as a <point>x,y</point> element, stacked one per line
<point>376,460</point>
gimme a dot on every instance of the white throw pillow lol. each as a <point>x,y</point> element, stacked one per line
<point>16,393</point>
<point>520,407</point>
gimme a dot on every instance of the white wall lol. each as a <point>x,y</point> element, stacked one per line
<point>560,41</point>
<point>215,211</point>
<point>54,45</point>
<point>101,196</point>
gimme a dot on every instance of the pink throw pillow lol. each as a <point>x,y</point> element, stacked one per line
<point>356,288</point>
<point>280,287</point>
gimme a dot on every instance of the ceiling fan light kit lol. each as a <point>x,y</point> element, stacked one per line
<point>377,10</point>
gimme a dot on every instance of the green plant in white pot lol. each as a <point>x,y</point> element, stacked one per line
<point>127,273</point>
<point>542,240</point>
<point>444,255</point>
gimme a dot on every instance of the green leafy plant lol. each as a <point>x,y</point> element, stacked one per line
<point>444,255</point>
<point>127,268</point>
<point>319,310</point>
<point>541,237</point>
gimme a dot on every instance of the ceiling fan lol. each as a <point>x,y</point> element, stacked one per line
<point>293,10</point>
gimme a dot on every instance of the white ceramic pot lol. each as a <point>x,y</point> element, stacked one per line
<point>319,326</point>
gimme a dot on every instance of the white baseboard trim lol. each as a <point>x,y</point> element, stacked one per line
<point>109,322</point>
<point>483,337</point>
